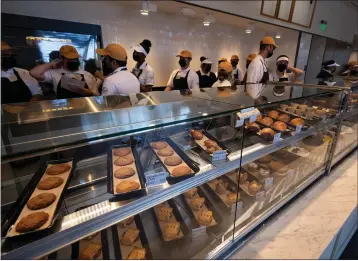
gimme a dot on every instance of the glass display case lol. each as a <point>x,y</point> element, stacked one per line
<point>179,175</point>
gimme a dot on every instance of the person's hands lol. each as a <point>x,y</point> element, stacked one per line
<point>98,74</point>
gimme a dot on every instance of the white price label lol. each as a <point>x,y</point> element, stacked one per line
<point>233,207</point>
<point>268,182</point>
<point>250,113</point>
<point>298,128</point>
<point>239,123</point>
<point>277,137</point>
<point>253,118</point>
<point>155,179</point>
<point>260,196</point>
<point>219,155</point>
<point>200,231</point>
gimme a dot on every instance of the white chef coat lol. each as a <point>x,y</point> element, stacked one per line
<point>224,83</point>
<point>25,76</point>
<point>193,78</point>
<point>54,76</point>
<point>256,69</point>
<point>120,82</point>
<point>147,75</point>
<point>290,76</point>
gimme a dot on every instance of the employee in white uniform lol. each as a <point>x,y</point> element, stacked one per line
<point>281,74</point>
<point>236,73</point>
<point>183,78</point>
<point>118,79</point>
<point>16,84</point>
<point>325,76</point>
<point>224,71</point>
<point>142,70</point>
<point>66,76</point>
<point>257,71</point>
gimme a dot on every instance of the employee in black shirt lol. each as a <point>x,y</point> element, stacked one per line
<point>206,77</point>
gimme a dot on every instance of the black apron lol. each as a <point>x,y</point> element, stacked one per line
<point>266,76</point>
<point>206,81</point>
<point>180,83</point>
<point>16,91</point>
<point>236,75</point>
<point>63,93</point>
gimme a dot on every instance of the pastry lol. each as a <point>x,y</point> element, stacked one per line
<point>92,251</point>
<point>121,152</point>
<point>210,143</point>
<point>40,201</point>
<point>283,117</point>
<point>273,114</point>
<point>309,114</point>
<point>267,133</point>
<point>123,173</point>
<point>196,134</point>
<point>243,177</point>
<point>210,150</point>
<point>159,145</point>
<point>213,182</point>
<point>252,166</point>
<point>165,152</point>
<point>303,107</point>
<point>320,113</point>
<point>50,183</point>
<point>300,112</point>
<point>172,230</point>
<point>205,218</point>
<point>58,169</point>
<point>266,121</point>
<point>258,117</point>
<point>231,197</point>
<point>291,109</point>
<point>254,187</point>
<point>279,125</point>
<point>191,193</point>
<point>137,253</point>
<point>294,105</point>
<point>126,222</point>
<point>127,186</point>
<point>265,159</point>
<point>130,236</point>
<point>181,171</point>
<point>221,187</point>
<point>264,172</point>
<point>123,161</point>
<point>283,107</point>
<point>173,161</point>
<point>197,203</point>
<point>297,122</point>
<point>32,221</point>
<point>165,213</point>
<point>278,166</point>
<point>254,127</point>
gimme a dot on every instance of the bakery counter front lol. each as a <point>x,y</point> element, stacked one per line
<point>186,189</point>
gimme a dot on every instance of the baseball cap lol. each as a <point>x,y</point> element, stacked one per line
<point>330,63</point>
<point>251,56</point>
<point>115,51</point>
<point>222,60</point>
<point>69,52</point>
<point>206,61</point>
<point>226,66</point>
<point>269,40</point>
<point>185,54</point>
<point>234,56</point>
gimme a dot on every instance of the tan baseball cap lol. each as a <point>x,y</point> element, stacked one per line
<point>69,52</point>
<point>5,46</point>
<point>226,66</point>
<point>251,56</point>
<point>269,40</point>
<point>185,54</point>
<point>116,51</point>
<point>223,59</point>
<point>234,56</point>
<point>351,63</point>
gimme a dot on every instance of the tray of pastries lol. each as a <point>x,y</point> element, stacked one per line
<point>37,207</point>
<point>93,247</point>
<point>130,241</point>
<point>259,168</point>
<point>176,162</point>
<point>266,133</point>
<point>249,184</point>
<point>170,223</point>
<point>201,208</point>
<point>125,173</point>
<point>280,122</point>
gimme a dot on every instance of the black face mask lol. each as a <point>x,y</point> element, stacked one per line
<point>354,72</point>
<point>136,57</point>
<point>8,62</point>
<point>182,63</point>
<point>234,64</point>
<point>222,75</point>
<point>106,67</point>
<point>73,65</point>
<point>281,67</point>
<point>206,68</point>
<point>269,54</point>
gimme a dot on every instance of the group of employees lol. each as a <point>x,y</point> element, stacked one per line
<point>69,80</point>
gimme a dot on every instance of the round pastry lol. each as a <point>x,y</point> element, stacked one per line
<point>172,161</point>
<point>243,177</point>
<point>264,172</point>
<point>32,221</point>
<point>127,186</point>
<point>210,143</point>
<point>297,121</point>
<point>40,201</point>
<point>291,109</point>
<point>181,171</point>
<point>265,159</point>
<point>122,152</point>
<point>254,187</point>
<point>259,117</point>
<point>221,187</point>
<point>252,166</point>
<point>196,134</point>
<point>50,183</point>
<point>303,107</point>
<point>210,150</point>
<point>58,169</point>
<point>266,121</point>
<point>320,113</point>
<point>267,133</point>
<point>123,173</point>
<point>231,197</point>
<point>294,105</point>
<point>283,117</point>
<point>276,165</point>
<point>254,127</point>
<point>159,145</point>
<point>123,161</point>
<point>283,107</point>
<point>165,152</point>
<point>279,125</point>
<point>273,114</point>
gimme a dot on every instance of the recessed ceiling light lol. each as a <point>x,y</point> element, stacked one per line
<point>278,35</point>
<point>144,12</point>
<point>206,23</point>
<point>248,31</point>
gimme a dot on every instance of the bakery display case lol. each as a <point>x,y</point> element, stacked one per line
<point>179,175</point>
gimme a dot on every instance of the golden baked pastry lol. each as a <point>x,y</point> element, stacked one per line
<point>58,169</point>
<point>254,127</point>
<point>303,106</point>
<point>231,197</point>
<point>40,201</point>
<point>252,166</point>
<point>294,105</point>
<point>210,150</point>
<point>127,185</point>
<point>159,145</point>
<point>283,107</point>
<point>126,222</point>
<point>32,221</point>
<point>181,171</point>
<point>123,173</point>
<point>165,213</point>
<point>254,187</point>
<point>50,183</point>
<point>276,165</point>
<point>205,218</point>
<point>173,161</point>
<point>172,230</point>
<point>279,125</point>
<point>196,134</point>
<point>297,121</point>
<point>123,161</point>
<point>221,187</point>
<point>210,143</point>
<point>137,253</point>
<point>265,159</point>
<point>92,251</point>
<point>266,121</point>
<point>130,236</point>
<point>267,133</point>
<point>213,182</point>
<point>258,117</point>
<point>197,203</point>
<point>121,152</point>
<point>273,114</point>
<point>320,113</point>
<point>283,117</point>
<point>191,193</point>
<point>165,152</point>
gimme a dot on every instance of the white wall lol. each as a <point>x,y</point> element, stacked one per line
<point>341,16</point>
<point>169,33</point>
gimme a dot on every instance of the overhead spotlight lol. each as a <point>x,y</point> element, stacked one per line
<point>249,28</point>
<point>209,19</point>
<point>278,35</point>
<point>144,12</point>
<point>147,7</point>
<point>248,31</point>
<point>205,23</point>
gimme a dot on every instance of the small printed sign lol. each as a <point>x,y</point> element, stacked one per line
<point>248,113</point>
<point>260,196</point>
<point>155,179</point>
<point>200,231</point>
<point>298,128</point>
<point>277,137</point>
<point>219,155</point>
<point>268,183</point>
